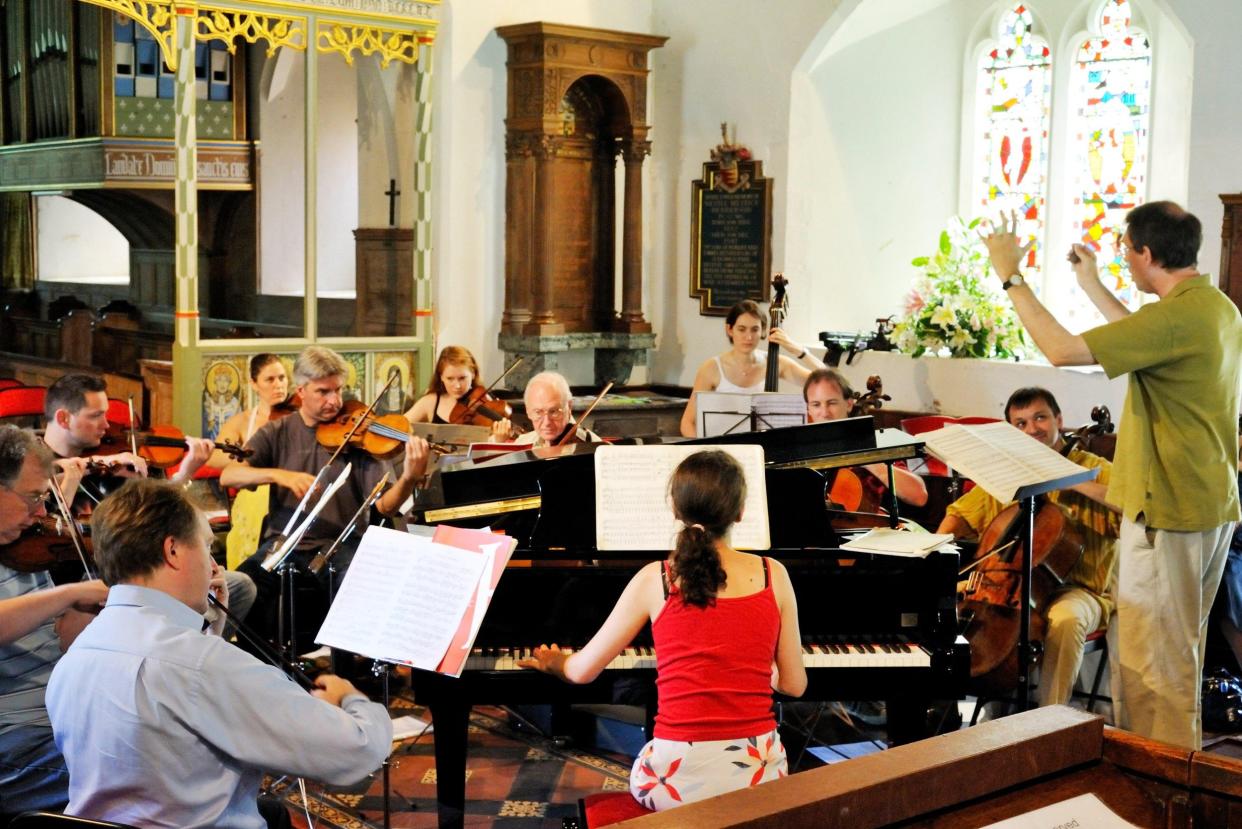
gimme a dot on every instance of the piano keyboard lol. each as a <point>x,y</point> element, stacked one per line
<point>814,655</point>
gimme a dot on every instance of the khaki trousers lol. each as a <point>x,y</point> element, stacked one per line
<point>1166,582</point>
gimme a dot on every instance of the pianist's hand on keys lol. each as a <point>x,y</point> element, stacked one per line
<point>549,659</point>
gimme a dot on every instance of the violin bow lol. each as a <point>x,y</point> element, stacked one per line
<point>275,658</point>
<point>470,409</point>
<point>319,561</point>
<point>574,427</point>
<point>133,427</point>
<point>319,475</point>
<point>71,527</point>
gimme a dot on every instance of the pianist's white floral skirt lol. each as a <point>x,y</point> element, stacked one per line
<point>670,773</point>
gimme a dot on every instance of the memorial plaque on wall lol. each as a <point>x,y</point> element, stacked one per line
<point>730,231</point>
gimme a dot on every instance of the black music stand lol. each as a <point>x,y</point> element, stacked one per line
<point>752,416</point>
<point>1025,496</point>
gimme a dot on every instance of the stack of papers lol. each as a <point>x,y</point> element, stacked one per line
<point>897,542</point>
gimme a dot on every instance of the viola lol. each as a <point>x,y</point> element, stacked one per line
<point>776,313</point>
<point>990,605</point>
<point>381,436</point>
<point>45,543</point>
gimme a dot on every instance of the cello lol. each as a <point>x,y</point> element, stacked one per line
<point>990,604</point>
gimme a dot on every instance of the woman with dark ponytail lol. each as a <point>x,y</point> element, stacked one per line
<point>725,625</point>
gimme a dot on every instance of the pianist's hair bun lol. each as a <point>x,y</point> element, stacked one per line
<point>707,490</point>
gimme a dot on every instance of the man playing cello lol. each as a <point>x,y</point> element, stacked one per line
<point>1082,605</point>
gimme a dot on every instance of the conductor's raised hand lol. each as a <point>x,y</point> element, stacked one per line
<point>299,483</point>
<point>548,658</point>
<point>417,451</point>
<point>1086,270</point>
<point>1003,247</point>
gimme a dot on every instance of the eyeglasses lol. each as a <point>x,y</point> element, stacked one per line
<point>546,414</point>
<point>32,502</point>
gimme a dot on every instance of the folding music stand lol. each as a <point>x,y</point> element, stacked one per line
<point>725,413</point>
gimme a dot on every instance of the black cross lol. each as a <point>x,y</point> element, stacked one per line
<point>392,192</point>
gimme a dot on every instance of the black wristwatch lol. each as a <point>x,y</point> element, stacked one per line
<point>1013,281</point>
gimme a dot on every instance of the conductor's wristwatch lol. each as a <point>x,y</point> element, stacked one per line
<point>1013,281</point>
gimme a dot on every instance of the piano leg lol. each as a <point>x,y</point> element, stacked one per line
<point>450,714</point>
<point>907,720</point>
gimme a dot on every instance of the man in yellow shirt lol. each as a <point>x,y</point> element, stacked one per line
<point>1082,605</point>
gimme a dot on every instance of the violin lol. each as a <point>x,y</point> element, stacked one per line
<point>42,545</point>
<point>160,446</point>
<point>358,427</point>
<point>776,313</point>
<point>479,408</point>
<point>990,605</point>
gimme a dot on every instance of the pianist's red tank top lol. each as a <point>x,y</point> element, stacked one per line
<point>714,665</point>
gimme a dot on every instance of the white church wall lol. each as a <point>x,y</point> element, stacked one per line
<point>469,92</point>
<point>76,244</point>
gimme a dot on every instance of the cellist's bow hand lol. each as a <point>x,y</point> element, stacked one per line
<point>299,483</point>
<point>198,452</point>
<point>218,588</point>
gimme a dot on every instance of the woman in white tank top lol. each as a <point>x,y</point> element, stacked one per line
<point>742,368</point>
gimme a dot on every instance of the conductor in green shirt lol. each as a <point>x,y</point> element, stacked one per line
<point>1175,469</point>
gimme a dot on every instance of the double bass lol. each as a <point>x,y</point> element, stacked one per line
<point>777,312</point>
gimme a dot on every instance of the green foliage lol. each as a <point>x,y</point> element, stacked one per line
<point>954,307</point>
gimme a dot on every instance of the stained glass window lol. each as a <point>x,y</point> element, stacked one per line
<point>1013,95</point>
<point>1110,92</point>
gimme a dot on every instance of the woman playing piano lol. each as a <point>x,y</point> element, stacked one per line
<point>456,374</point>
<point>725,626</point>
<point>742,367</point>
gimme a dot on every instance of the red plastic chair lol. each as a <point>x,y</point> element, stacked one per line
<point>607,808</point>
<point>118,413</point>
<point>9,382</point>
<point>22,401</point>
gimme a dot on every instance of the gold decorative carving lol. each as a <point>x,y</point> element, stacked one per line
<point>345,38</point>
<point>277,31</point>
<point>156,16</point>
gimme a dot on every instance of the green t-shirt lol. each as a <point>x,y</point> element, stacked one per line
<point>1177,450</point>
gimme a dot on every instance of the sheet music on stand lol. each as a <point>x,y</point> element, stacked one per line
<point>1005,461</point>
<point>632,509</point>
<point>277,556</point>
<point>726,412</point>
<point>403,598</point>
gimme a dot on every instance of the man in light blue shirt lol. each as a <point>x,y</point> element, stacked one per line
<point>165,725</point>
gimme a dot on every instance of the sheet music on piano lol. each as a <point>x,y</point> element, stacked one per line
<point>632,509</point>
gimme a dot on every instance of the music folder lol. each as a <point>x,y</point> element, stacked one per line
<point>405,598</point>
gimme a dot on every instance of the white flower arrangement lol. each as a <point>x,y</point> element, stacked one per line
<point>954,307</point>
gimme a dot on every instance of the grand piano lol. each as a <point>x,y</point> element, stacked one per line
<point>873,627</point>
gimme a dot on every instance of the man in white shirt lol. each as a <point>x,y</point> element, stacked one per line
<point>162,723</point>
